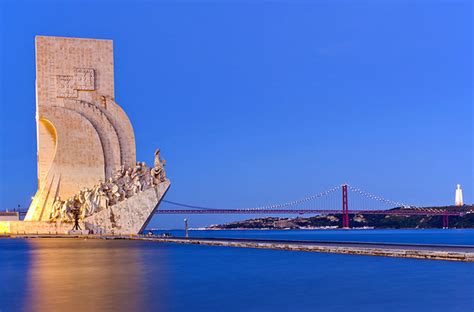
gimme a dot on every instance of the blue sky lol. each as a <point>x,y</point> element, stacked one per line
<point>256,102</point>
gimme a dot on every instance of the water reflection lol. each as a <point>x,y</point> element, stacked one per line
<point>93,275</point>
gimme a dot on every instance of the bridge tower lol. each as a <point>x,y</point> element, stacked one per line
<point>345,208</point>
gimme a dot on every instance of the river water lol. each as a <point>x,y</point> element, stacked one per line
<point>121,275</point>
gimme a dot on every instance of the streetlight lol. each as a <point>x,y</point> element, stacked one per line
<point>186,227</point>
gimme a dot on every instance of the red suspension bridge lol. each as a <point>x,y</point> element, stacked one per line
<point>344,200</point>
<point>332,201</point>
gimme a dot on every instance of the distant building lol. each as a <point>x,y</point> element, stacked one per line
<point>458,200</point>
<point>9,216</point>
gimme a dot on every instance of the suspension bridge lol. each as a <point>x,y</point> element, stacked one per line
<point>332,201</point>
<point>343,200</point>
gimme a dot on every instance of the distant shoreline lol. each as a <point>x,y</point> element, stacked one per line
<point>359,221</point>
<point>302,229</point>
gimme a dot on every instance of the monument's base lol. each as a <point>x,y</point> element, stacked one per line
<point>34,227</point>
<point>78,232</point>
<point>130,216</point>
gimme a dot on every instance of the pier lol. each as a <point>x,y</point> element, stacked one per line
<point>417,251</point>
<point>463,253</point>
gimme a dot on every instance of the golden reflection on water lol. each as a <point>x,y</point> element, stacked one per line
<point>91,275</point>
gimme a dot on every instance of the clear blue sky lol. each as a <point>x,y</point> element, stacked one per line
<point>255,102</point>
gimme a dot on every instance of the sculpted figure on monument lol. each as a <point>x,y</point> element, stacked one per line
<point>77,204</point>
<point>115,192</point>
<point>101,198</point>
<point>119,173</point>
<point>88,205</point>
<point>158,172</point>
<point>109,191</point>
<point>146,179</point>
<point>81,201</point>
<point>136,169</point>
<point>65,214</point>
<point>56,209</point>
<point>128,184</point>
<point>137,186</point>
<point>158,161</point>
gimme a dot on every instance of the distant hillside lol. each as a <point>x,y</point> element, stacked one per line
<point>358,221</point>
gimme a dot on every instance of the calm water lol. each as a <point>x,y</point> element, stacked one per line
<point>436,236</point>
<point>97,275</point>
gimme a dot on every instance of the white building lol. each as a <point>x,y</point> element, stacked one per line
<point>458,201</point>
<point>9,216</point>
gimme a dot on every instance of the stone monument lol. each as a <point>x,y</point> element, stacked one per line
<point>458,197</point>
<point>86,145</point>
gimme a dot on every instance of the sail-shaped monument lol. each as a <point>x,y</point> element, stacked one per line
<point>86,154</point>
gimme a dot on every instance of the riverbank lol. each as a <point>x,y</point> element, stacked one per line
<point>358,221</point>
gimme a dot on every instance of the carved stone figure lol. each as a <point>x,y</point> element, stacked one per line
<point>159,162</point>
<point>56,209</point>
<point>88,205</point>
<point>65,214</point>
<point>137,186</point>
<point>119,173</point>
<point>102,199</point>
<point>158,172</point>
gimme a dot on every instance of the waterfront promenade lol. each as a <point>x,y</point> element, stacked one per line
<point>464,253</point>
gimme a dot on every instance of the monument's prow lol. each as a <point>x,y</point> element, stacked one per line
<point>86,145</point>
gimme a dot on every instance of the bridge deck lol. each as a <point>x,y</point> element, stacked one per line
<point>400,212</point>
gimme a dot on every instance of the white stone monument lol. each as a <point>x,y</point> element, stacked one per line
<point>458,200</point>
<point>86,147</point>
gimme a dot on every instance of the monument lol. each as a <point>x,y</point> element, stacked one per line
<point>86,146</point>
<point>458,196</point>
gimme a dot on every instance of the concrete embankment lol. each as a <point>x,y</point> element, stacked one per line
<point>430,252</point>
<point>416,251</point>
